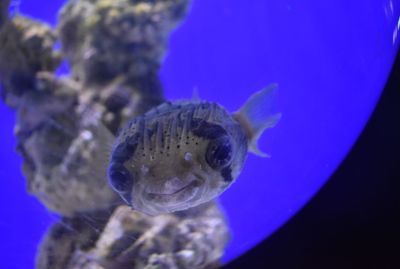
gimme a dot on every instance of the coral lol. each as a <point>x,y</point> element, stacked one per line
<point>114,49</point>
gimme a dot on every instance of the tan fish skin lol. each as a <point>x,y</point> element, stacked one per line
<point>176,156</point>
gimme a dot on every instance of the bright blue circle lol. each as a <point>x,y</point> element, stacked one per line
<point>331,60</point>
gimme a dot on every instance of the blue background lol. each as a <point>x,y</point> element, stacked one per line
<point>330,59</point>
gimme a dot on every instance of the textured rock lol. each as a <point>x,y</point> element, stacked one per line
<point>108,38</point>
<point>130,239</point>
<point>114,49</point>
<point>64,160</point>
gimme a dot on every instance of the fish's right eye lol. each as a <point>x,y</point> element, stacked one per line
<point>120,179</point>
<point>219,152</point>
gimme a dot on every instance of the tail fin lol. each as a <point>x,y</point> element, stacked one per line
<point>257,114</point>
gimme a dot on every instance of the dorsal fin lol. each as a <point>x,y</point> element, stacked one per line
<point>258,114</point>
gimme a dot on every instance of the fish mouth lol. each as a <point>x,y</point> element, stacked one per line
<point>173,197</point>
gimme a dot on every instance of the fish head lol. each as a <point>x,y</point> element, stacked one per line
<point>186,171</point>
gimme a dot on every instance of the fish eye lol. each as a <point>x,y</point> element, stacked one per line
<point>219,152</point>
<point>120,178</point>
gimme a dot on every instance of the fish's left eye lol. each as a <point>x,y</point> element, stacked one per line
<point>120,178</point>
<point>219,152</point>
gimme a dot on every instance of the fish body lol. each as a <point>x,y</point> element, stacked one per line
<point>179,155</point>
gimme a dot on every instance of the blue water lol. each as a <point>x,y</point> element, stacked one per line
<point>331,60</point>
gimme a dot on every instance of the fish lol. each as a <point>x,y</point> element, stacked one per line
<point>185,153</point>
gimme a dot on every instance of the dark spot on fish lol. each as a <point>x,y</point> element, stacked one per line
<point>125,150</point>
<point>204,129</point>
<point>150,133</point>
<point>121,153</point>
<point>120,179</point>
<point>226,173</point>
<point>133,140</point>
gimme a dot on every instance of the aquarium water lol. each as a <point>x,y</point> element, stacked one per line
<point>330,60</point>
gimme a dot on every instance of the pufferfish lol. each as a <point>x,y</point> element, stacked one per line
<point>182,154</point>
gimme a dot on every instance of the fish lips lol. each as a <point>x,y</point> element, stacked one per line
<point>156,203</point>
<point>173,197</point>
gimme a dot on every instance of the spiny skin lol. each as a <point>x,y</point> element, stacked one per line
<point>177,156</point>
